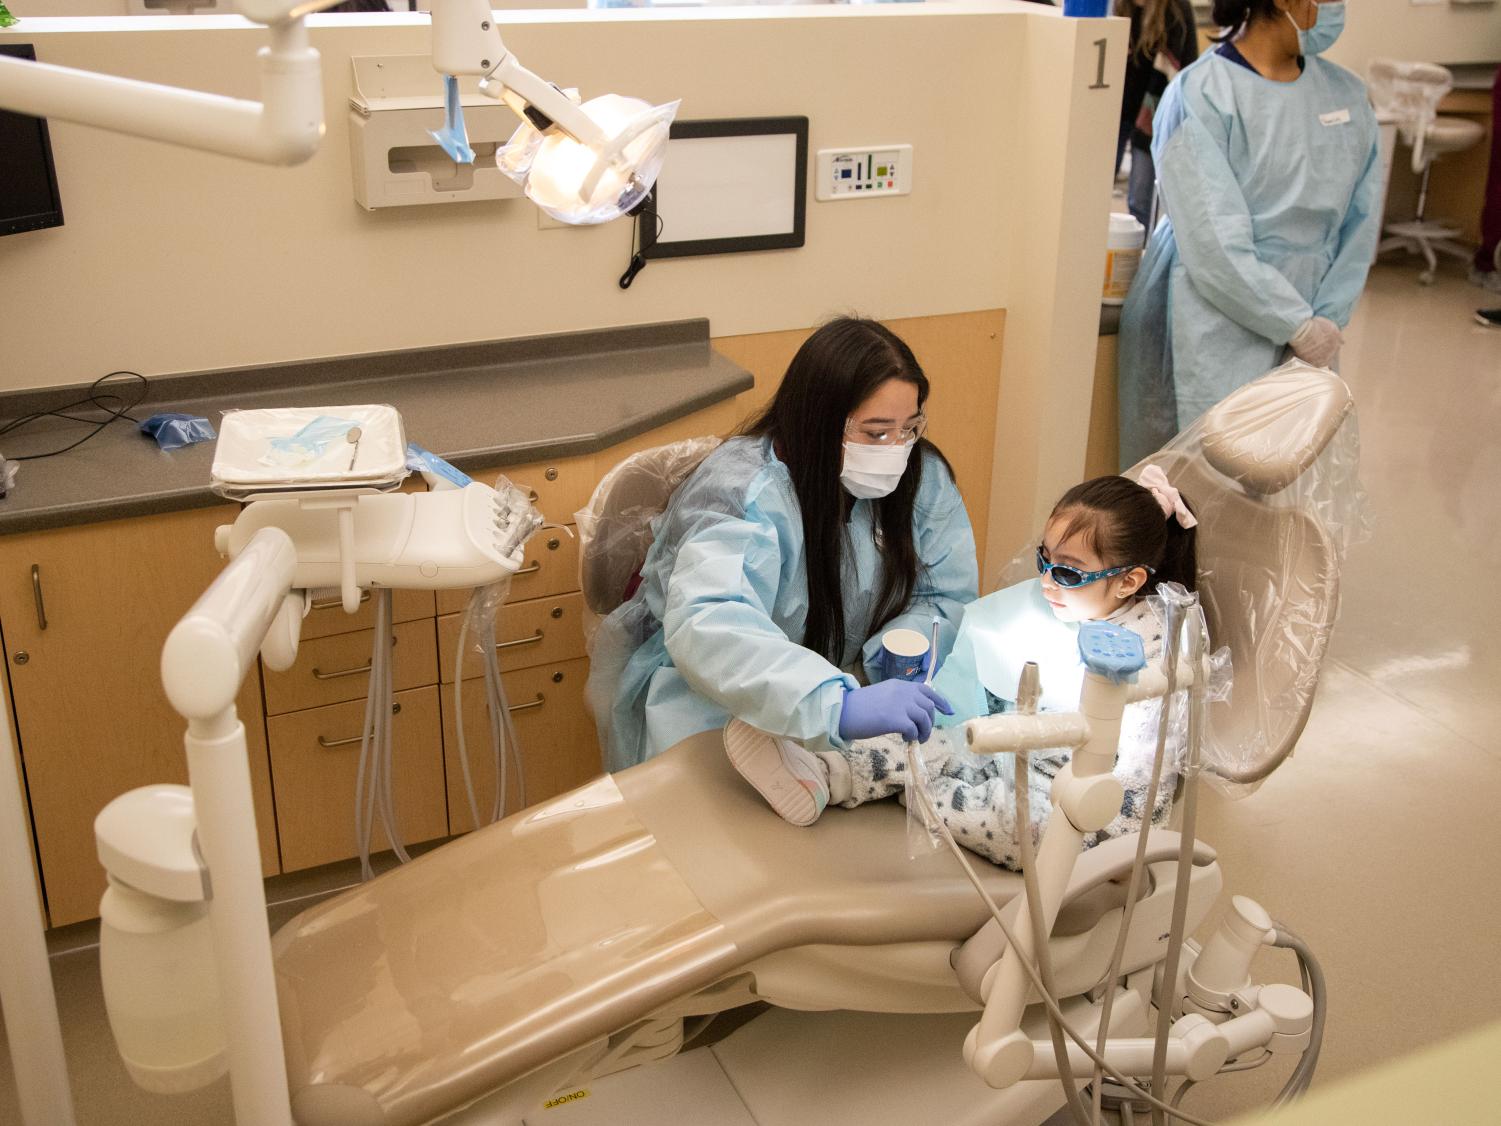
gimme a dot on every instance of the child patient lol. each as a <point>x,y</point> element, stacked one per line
<point>1107,544</point>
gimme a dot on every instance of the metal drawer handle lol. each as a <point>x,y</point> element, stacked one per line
<point>531,495</point>
<point>330,603</point>
<point>328,744</point>
<point>537,703</point>
<point>36,592</point>
<point>319,674</point>
<point>528,570</point>
<point>532,640</point>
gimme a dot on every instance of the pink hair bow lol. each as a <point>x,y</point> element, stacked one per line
<point>1171,500</point>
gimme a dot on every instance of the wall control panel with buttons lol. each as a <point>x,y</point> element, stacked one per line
<point>864,173</point>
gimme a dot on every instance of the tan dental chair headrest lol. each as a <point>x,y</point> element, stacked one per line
<point>1271,473</point>
<point>1265,434</point>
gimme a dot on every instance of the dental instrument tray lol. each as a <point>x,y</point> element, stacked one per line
<point>301,449</point>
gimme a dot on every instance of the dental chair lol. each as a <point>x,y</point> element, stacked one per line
<point>573,940</point>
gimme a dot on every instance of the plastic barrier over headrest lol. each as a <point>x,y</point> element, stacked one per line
<point>1271,473</point>
<point>1265,434</point>
<point>615,526</point>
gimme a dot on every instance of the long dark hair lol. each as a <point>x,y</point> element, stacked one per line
<point>1159,18</point>
<point>1123,523</point>
<point>1234,16</point>
<point>837,369</point>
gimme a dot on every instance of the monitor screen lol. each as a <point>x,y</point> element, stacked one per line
<point>29,199</point>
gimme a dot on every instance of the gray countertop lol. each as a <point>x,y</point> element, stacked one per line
<point>478,405</point>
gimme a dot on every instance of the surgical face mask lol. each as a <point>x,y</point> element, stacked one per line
<point>1329,21</point>
<point>873,471</point>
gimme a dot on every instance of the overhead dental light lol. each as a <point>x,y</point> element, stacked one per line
<point>582,164</point>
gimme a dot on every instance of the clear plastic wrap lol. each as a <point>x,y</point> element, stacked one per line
<point>1409,93</point>
<point>1272,473</point>
<point>615,527</point>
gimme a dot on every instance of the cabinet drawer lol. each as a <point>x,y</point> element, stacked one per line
<point>315,758</point>
<point>536,632</point>
<point>551,567</point>
<point>327,616</point>
<point>333,669</point>
<point>559,747</point>
<point>562,485</point>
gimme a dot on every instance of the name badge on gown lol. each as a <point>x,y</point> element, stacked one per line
<point>1336,117</point>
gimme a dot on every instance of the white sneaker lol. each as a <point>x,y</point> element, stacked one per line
<point>793,780</point>
<point>1486,279</point>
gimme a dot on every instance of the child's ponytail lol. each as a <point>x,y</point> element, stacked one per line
<point>1180,557</point>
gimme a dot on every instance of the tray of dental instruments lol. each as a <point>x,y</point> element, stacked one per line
<point>306,449</point>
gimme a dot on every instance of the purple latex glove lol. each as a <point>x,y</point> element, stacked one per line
<point>892,707</point>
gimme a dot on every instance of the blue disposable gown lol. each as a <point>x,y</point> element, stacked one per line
<point>714,629</point>
<point>1272,195</point>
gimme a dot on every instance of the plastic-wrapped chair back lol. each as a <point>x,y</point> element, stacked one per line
<point>615,527</point>
<point>1410,92</point>
<point>1271,475</point>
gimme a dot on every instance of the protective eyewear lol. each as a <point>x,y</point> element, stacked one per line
<point>1070,578</point>
<point>878,434</point>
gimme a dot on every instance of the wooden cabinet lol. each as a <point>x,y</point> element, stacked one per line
<point>551,566</point>
<point>536,632</point>
<point>558,745</point>
<point>314,758</point>
<point>331,669</point>
<point>86,611</point>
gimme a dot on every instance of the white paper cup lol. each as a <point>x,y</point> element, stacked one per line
<point>902,652</point>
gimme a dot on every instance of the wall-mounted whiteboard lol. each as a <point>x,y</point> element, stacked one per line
<point>729,186</point>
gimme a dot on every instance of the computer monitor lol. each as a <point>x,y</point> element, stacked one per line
<point>29,199</point>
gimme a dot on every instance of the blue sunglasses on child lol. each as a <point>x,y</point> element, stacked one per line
<point>1071,578</point>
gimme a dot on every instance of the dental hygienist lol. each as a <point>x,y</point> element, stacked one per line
<point>784,557</point>
<point>1267,161</point>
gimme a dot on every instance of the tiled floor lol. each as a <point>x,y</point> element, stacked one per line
<point>1376,842</point>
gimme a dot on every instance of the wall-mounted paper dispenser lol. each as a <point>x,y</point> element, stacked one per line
<point>396,163</point>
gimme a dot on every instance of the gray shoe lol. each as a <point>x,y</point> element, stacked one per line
<point>1486,279</point>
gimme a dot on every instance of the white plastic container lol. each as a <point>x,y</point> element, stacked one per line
<point>1122,256</point>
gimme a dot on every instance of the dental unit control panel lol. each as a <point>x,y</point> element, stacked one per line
<point>863,173</point>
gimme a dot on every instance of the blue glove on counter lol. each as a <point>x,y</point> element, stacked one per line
<point>892,707</point>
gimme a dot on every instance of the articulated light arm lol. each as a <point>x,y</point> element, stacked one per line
<point>284,128</point>
<point>467,43</point>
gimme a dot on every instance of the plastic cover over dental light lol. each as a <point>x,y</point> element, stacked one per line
<point>553,168</point>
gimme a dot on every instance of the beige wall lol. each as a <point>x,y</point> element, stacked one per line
<point>172,260</point>
<point>1435,33</point>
